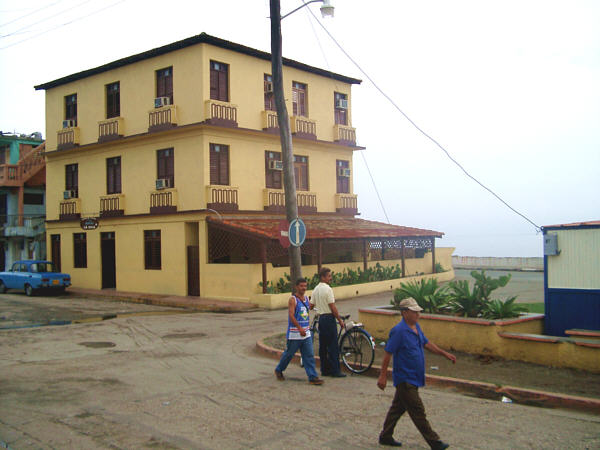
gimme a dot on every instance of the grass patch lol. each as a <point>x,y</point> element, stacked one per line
<point>534,307</point>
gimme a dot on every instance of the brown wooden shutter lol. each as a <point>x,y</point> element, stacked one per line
<point>219,164</point>
<point>343,183</point>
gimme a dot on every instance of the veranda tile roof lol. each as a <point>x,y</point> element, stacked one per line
<point>325,228</point>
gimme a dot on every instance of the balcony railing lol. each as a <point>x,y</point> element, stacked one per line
<point>270,122</point>
<point>67,138</point>
<point>222,198</point>
<point>303,127</point>
<point>22,225</point>
<point>10,175</point>
<point>163,201</point>
<point>221,113</point>
<point>344,134</point>
<point>346,204</point>
<point>112,205</point>
<point>307,202</point>
<point>274,201</point>
<point>110,129</point>
<point>70,209</point>
<point>162,118</point>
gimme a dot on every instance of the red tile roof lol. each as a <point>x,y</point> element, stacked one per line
<point>326,228</point>
<point>575,224</point>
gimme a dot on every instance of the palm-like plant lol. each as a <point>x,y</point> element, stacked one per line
<point>498,309</point>
<point>425,292</point>
<point>464,301</point>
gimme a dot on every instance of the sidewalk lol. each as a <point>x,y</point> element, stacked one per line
<point>174,301</point>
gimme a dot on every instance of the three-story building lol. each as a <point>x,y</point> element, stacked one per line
<point>165,176</point>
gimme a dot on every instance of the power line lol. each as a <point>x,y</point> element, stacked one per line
<point>538,229</point>
<point>62,25</point>
<point>335,83</point>
<point>31,13</point>
<point>45,19</point>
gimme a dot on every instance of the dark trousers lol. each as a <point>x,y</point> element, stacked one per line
<point>407,399</point>
<point>328,346</point>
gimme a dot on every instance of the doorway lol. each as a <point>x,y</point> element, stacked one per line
<point>55,243</point>
<point>193,269</point>
<point>109,270</point>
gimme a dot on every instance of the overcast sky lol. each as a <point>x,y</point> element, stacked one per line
<point>511,89</point>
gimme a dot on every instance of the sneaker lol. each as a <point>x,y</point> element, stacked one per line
<point>438,445</point>
<point>391,442</point>
<point>315,381</point>
<point>279,375</point>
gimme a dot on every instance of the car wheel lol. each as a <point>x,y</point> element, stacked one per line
<point>2,287</point>
<point>28,290</point>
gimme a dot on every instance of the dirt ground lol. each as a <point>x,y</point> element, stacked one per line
<point>496,371</point>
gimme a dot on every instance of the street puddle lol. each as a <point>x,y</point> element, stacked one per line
<point>99,344</point>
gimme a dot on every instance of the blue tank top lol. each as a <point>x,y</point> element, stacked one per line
<point>301,315</point>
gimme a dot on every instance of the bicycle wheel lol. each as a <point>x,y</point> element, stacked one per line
<point>357,351</point>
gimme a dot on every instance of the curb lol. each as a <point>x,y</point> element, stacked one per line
<point>481,389</point>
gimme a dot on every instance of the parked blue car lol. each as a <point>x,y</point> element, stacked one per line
<point>33,275</point>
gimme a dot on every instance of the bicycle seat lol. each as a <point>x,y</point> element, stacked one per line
<point>345,317</point>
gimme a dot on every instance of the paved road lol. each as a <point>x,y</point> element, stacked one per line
<point>527,286</point>
<point>18,310</point>
<point>195,381</point>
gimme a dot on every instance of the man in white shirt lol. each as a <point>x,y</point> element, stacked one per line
<point>324,303</point>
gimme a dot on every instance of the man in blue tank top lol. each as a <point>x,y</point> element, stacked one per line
<point>298,335</point>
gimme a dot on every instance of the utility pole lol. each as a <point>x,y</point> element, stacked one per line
<point>289,179</point>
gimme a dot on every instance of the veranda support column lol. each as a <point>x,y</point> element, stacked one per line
<point>365,254</point>
<point>402,256</point>
<point>263,257</point>
<point>433,255</point>
<point>319,255</point>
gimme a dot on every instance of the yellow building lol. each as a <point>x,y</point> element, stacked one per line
<point>164,173</point>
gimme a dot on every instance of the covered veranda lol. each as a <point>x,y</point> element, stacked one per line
<point>329,240</point>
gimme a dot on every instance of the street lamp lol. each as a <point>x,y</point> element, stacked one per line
<point>289,180</point>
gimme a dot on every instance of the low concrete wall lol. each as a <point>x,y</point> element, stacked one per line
<point>493,263</point>
<point>276,301</point>
<point>480,336</point>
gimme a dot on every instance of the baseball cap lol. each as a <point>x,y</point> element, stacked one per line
<point>410,303</point>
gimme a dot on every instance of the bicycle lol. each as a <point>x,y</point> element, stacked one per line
<point>357,346</point>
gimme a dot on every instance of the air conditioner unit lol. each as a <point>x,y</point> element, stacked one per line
<point>275,165</point>
<point>268,87</point>
<point>69,194</point>
<point>69,123</point>
<point>161,101</point>
<point>163,183</point>
<point>343,172</point>
<point>341,103</point>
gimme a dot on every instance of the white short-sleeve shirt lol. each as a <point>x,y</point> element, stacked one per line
<point>322,296</point>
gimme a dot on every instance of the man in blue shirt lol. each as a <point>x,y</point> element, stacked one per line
<point>406,343</point>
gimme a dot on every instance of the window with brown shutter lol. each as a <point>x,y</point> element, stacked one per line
<point>152,259</point>
<point>79,250</point>
<point>219,164</point>
<point>301,172</point>
<point>4,154</point>
<point>299,105</point>
<point>71,107</point>
<point>273,177</point>
<point>340,113</point>
<point>219,82</point>
<point>343,183</point>
<point>71,179</point>
<point>113,100</point>
<point>113,175</point>
<point>269,95</point>
<point>164,83</point>
<point>165,168</point>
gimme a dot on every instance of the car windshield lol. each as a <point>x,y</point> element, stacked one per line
<point>42,267</point>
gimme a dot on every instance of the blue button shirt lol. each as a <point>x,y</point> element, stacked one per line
<point>409,358</point>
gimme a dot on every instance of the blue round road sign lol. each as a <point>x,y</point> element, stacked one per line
<point>297,232</point>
